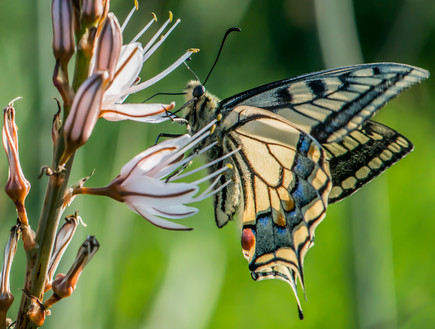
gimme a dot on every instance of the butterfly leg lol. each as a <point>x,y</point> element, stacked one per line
<point>161,135</point>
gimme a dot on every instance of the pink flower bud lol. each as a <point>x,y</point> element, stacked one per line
<point>63,29</point>
<point>92,10</point>
<point>84,113</point>
<point>109,46</point>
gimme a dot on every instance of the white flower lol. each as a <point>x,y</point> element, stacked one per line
<point>124,64</point>
<point>147,182</point>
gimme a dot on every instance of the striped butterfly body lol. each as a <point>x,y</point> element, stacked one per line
<point>304,142</point>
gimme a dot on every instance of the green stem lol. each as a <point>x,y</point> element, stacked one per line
<point>83,57</point>
<point>38,258</point>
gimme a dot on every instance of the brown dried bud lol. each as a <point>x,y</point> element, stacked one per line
<point>17,186</point>
<point>6,297</point>
<point>64,285</point>
<point>63,238</point>
<point>37,312</point>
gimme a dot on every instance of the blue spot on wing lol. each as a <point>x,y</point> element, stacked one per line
<point>303,193</point>
<point>304,144</point>
<point>303,167</point>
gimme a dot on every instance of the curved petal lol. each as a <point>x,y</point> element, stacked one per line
<point>157,221</point>
<point>150,113</point>
<point>127,71</point>
<point>176,211</point>
<point>154,193</point>
<point>148,159</point>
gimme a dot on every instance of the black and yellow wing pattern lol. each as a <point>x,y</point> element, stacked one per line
<point>304,142</point>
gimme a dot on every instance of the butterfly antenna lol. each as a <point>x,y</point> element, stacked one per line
<point>233,29</point>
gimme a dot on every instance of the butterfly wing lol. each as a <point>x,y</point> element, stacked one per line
<point>282,183</point>
<point>299,138</point>
<point>362,155</point>
<point>330,104</point>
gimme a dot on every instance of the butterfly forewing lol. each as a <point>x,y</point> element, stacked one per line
<point>332,103</point>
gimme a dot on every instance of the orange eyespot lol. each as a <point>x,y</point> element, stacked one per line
<point>248,239</point>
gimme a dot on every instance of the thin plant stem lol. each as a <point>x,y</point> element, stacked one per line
<point>39,258</point>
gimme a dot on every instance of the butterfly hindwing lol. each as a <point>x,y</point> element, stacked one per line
<point>284,184</point>
<point>362,155</point>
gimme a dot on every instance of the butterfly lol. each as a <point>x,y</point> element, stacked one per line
<point>304,142</point>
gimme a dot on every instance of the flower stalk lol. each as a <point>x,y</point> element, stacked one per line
<point>106,72</point>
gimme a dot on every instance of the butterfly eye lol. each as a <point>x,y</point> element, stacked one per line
<point>198,91</point>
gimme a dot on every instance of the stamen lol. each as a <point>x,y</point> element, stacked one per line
<point>190,157</point>
<point>158,77</point>
<point>197,138</point>
<point>220,188</point>
<point>145,28</point>
<point>162,39</point>
<point>155,36</point>
<point>124,24</point>
<point>199,134</point>
<point>209,164</point>
<point>211,186</point>
<point>206,178</point>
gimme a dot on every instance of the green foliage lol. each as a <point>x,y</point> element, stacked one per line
<point>374,259</point>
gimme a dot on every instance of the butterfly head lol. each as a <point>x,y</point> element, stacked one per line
<point>201,105</point>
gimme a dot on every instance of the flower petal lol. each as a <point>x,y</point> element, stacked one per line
<point>176,211</point>
<point>148,159</point>
<point>154,193</point>
<point>127,70</point>
<point>157,221</point>
<point>149,113</point>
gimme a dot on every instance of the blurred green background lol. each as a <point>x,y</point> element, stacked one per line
<point>374,259</point>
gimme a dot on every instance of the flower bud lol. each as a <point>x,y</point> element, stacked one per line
<point>109,46</point>
<point>6,297</point>
<point>64,285</point>
<point>17,186</point>
<point>63,29</point>
<point>84,113</point>
<point>92,11</point>
<point>63,238</point>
